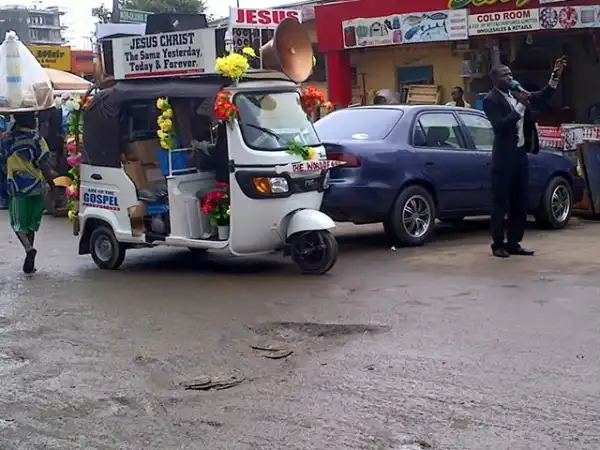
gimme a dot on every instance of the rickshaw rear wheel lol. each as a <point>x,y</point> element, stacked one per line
<point>315,252</point>
<point>107,252</point>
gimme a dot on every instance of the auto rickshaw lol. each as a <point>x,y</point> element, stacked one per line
<point>133,194</point>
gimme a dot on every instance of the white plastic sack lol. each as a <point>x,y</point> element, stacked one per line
<point>24,84</point>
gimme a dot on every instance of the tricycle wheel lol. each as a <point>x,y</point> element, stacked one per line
<point>315,252</point>
<point>107,252</point>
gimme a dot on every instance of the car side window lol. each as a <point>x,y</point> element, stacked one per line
<point>438,130</point>
<point>481,131</point>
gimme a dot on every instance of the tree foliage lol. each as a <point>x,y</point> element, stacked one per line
<point>102,13</point>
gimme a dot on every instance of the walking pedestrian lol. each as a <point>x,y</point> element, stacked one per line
<point>26,160</point>
<point>515,135</point>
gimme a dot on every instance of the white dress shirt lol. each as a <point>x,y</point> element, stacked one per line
<point>520,108</point>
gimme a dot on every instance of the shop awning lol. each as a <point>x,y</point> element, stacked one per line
<point>65,81</point>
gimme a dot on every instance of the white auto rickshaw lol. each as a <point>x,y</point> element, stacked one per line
<point>133,194</point>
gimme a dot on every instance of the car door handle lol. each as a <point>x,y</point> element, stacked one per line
<point>96,176</point>
<point>428,163</point>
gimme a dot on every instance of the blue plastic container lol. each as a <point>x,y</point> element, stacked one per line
<point>179,161</point>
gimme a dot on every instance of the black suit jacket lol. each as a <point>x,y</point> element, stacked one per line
<point>504,120</point>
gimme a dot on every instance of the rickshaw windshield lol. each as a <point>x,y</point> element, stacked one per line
<point>268,121</point>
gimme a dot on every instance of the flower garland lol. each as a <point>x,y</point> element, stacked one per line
<point>73,107</point>
<point>311,98</point>
<point>224,108</point>
<point>304,152</point>
<point>235,65</point>
<point>216,205</point>
<point>165,124</point>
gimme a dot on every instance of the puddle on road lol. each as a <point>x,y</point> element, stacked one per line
<point>313,329</point>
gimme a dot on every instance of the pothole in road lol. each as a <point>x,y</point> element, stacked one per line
<point>319,330</point>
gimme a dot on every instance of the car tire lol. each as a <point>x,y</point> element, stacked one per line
<point>107,252</point>
<point>557,204</point>
<point>412,218</point>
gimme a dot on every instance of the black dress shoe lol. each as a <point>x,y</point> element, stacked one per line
<point>500,253</point>
<point>521,251</point>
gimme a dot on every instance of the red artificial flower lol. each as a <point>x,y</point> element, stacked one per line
<point>311,98</point>
<point>223,107</point>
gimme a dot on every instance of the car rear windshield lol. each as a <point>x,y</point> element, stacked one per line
<point>369,124</point>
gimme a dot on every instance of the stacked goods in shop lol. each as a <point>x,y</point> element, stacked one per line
<point>24,84</point>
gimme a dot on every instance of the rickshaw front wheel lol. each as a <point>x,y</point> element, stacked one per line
<point>107,252</point>
<point>315,252</point>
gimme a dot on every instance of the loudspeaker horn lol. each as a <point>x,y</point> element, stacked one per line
<point>290,51</point>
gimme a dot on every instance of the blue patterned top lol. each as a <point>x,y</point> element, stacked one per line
<point>21,151</point>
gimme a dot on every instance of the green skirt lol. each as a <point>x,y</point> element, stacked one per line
<point>26,213</point>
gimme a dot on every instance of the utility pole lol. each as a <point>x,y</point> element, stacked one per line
<point>116,11</point>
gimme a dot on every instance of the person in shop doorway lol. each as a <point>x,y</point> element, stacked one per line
<point>515,135</point>
<point>458,98</point>
<point>26,160</point>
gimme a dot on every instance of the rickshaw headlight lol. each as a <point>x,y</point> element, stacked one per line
<point>271,185</point>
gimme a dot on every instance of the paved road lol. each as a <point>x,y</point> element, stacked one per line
<point>442,347</point>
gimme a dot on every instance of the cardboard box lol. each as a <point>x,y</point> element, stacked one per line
<point>144,151</point>
<point>135,171</point>
<point>153,174</point>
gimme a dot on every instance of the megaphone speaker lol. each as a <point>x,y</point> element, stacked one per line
<point>290,51</point>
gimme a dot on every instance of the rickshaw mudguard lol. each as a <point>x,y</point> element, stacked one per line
<point>308,220</point>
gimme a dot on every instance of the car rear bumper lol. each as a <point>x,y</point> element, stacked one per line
<point>346,202</point>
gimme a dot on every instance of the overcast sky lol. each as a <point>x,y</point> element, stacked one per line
<point>81,23</point>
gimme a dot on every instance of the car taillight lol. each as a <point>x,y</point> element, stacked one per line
<point>350,159</point>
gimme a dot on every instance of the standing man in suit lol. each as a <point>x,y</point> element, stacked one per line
<point>515,135</point>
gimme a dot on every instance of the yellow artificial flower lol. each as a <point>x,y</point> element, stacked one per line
<point>168,113</point>
<point>161,134</point>
<point>166,126</point>
<point>228,212</point>
<point>311,153</point>
<point>232,66</point>
<point>164,144</point>
<point>162,104</point>
<point>72,214</point>
<point>249,51</point>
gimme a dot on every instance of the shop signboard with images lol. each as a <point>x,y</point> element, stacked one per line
<point>164,55</point>
<point>514,21</point>
<point>459,4</point>
<point>260,18</point>
<point>569,17</point>
<point>52,56</point>
<point>437,26</point>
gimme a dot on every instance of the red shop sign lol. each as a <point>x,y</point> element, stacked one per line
<point>260,18</point>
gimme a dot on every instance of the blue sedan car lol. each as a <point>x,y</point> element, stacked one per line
<point>408,165</point>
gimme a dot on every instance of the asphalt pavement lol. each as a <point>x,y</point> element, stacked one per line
<point>442,347</point>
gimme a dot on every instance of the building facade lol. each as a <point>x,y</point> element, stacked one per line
<point>375,44</point>
<point>36,26</point>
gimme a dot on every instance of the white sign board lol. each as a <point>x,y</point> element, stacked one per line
<point>513,21</point>
<point>260,18</point>
<point>165,54</point>
<point>309,166</point>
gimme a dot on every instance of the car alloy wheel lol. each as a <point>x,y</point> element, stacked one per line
<point>560,203</point>
<point>416,216</point>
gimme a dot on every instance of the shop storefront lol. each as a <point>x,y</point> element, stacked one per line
<point>377,45</point>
